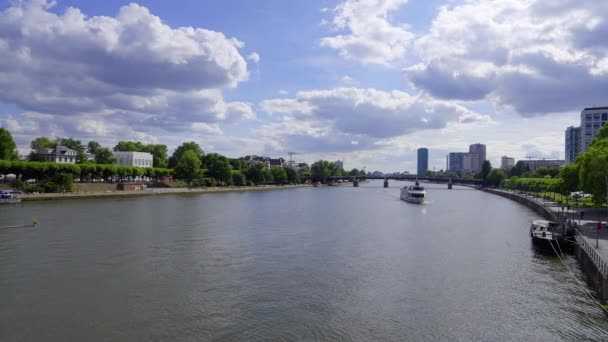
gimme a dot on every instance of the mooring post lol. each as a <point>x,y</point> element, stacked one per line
<point>355,183</point>
<point>450,184</point>
<point>386,182</point>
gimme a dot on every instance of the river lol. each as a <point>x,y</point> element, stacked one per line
<point>328,263</point>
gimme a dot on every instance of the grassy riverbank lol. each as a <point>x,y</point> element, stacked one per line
<point>153,192</point>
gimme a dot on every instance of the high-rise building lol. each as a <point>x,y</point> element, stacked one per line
<point>591,120</point>
<point>573,143</point>
<point>339,164</point>
<point>456,161</point>
<point>506,163</point>
<point>423,161</point>
<point>478,156</point>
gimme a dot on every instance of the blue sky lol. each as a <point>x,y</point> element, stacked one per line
<point>364,81</point>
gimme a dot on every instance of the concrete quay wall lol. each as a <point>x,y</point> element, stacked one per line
<point>590,262</point>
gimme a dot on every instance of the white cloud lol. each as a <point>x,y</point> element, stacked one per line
<point>131,68</point>
<point>254,57</point>
<point>370,36</point>
<point>330,120</point>
<point>535,56</point>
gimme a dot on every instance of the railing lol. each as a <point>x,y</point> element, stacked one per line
<point>599,263</point>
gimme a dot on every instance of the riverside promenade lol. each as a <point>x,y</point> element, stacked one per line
<point>592,244</point>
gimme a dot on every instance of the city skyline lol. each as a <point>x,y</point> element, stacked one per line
<point>366,82</point>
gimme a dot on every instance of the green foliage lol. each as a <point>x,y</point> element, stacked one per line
<point>255,173</point>
<point>129,146</point>
<point>188,167</point>
<point>238,164</point>
<point>218,167</point>
<point>486,168</point>
<point>278,175</point>
<point>496,177</point>
<point>593,170</point>
<point>181,149</point>
<point>570,177</point>
<point>534,184</point>
<point>292,175</point>
<point>238,178</point>
<point>93,146</point>
<point>103,155</point>
<point>8,149</point>
<point>519,169</point>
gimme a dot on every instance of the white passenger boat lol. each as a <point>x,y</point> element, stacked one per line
<point>9,197</point>
<point>413,193</point>
<point>543,234</point>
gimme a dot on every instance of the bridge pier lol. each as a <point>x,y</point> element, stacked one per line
<point>355,183</point>
<point>386,182</point>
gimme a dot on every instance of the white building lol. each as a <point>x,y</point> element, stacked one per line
<point>592,119</point>
<point>131,158</point>
<point>506,163</point>
<point>59,154</point>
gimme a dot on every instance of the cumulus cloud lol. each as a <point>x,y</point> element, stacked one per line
<point>130,65</point>
<point>369,35</point>
<point>534,56</point>
<point>333,119</point>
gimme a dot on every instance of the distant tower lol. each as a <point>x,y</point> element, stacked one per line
<point>423,161</point>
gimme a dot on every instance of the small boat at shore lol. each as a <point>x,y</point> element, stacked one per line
<point>9,197</point>
<point>544,234</point>
<point>413,193</point>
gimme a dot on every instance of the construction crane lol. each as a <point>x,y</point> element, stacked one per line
<point>291,162</point>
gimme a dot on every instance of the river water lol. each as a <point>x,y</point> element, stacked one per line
<point>329,263</point>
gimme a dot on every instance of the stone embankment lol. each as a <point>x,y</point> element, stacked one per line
<point>591,248</point>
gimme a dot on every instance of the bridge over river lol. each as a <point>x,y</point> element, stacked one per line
<point>355,179</point>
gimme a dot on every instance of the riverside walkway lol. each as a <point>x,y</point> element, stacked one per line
<point>593,242</point>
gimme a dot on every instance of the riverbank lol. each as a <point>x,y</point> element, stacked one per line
<point>592,258</point>
<point>154,192</point>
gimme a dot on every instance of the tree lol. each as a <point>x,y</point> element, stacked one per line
<point>159,154</point>
<point>93,146</point>
<point>41,143</point>
<point>320,171</point>
<point>8,149</point>
<point>496,177</point>
<point>103,155</point>
<point>485,170</point>
<point>238,178</point>
<point>519,169</point>
<point>570,177</point>
<point>292,175</point>
<point>218,167</point>
<point>180,150</point>
<point>593,170</point>
<point>129,146</point>
<point>279,175</point>
<point>188,167</point>
<point>255,173</point>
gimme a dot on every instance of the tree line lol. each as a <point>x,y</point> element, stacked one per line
<point>189,164</point>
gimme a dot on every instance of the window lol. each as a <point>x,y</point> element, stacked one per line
<point>596,116</point>
<point>588,116</point>
<point>604,116</point>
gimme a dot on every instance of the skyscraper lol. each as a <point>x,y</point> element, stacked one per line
<point>506,163</point>
<point>478,156</point>
<point>573,143</point>
<point>456,161</point>
<point>423,161</point>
